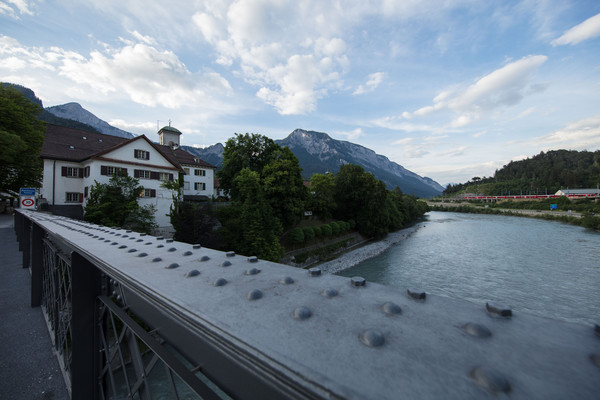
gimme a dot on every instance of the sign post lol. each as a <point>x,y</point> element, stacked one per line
<point>27,198</point>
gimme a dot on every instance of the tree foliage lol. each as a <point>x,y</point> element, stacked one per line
<point>116,204</point>
<point>321,198</point>
<point>544,173</point>
<point>21,138</point>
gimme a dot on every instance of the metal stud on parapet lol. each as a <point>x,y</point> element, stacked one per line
<point>490,379</point>
<point>417,294</point>
<point>314,271</point>
<point>357,281</point>
<point>498,310</point>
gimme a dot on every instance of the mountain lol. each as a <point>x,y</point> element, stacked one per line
<point>317,152</point>
<point>75,112</point>
<point>211,154</point>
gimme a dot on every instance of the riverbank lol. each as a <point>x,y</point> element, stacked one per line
<point>358,255</point>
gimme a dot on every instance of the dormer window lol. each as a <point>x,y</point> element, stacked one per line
<point>141,154</point>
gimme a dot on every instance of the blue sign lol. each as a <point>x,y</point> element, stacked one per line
<point>554,206</point>
<point>27,192</point>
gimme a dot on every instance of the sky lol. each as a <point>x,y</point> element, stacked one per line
<point>448,89</point>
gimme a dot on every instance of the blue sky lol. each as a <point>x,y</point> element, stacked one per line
<point>448,89</point>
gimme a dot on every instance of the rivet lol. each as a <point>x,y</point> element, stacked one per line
<point>288,280</point>
<point>169,240</point>
<point>160,246</point>
<point>498,310</point>
<point>357,281</point>
<point>95,236</point>
<point>131,238</point>
<point>122,246</point>
<point>142,254</point>
<point>230,254</point>
<point>160,238</point>
<point>156,259</point>
<point>314,271</point>
<point>128,231</point>
<point>372,338</point>
<point>490,379</point>
<point>252,259</point>
<point>173,266</point>
<point>204,258</point>
<point>139,240</point>
<point>125,236</point>
<point>107,240</point>
<point>114,243</point>
<point>595,359</point>
<point>417,294</point>
<point>220,282</point>
<point>131,250</point>
<point>172,249</point>
<point>302,313</point>
<point>476,330</point>
<point>252,271</point>
<point>254,294</point>
<point>196,246</point>
<point>147,243</point>
<point>330,293</point>
<point>143,234</point>
<point>192,273</point>
<point>390,308</point>
<point>117,234</point>
<point>188,253</point>
<point>226,264</point>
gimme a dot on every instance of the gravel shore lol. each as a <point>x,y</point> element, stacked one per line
<point>354,257</point>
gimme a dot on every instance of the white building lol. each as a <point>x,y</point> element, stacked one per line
<point>75,159</point>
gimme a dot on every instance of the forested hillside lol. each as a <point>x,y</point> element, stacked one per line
<point>541,174</point>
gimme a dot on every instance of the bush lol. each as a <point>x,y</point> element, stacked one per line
<point>326,229</point>
<point>318,231</point>
<point>335,228</point>
<point>309,233</point>
<point>352,224</point>
<point>297,236</point>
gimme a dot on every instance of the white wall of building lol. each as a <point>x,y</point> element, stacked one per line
<point>201,183</point>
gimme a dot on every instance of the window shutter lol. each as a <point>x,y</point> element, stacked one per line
<point>154,175</point>
<point>81,197</point>
<point>86,172</point>
<point>170,177</point>
<point>81,172</point>
<point>136,173</point>
<point>103,170</point>
<point>85,191</point>
<point>147,155</point>
<point>64,171</point>
<point>124,171</point>
<point>152,192</point>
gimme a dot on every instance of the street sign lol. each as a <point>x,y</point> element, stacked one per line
<point>28,202</point>
<point>27,192</point>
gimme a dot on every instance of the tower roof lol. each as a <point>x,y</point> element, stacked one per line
<point>170,129</point>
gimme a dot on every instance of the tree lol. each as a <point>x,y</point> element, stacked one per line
<point>283,186</point>
<point>21,139</point>
<point>116,204</point>
<point>249,224</point>
<point>321,195</point>
<point>252,151</point>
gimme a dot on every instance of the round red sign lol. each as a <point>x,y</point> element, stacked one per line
<point>28,202</point>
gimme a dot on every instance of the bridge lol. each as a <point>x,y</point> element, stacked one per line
<point>133,316</point>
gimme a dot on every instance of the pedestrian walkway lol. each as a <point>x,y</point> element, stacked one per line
<point>29,369</point>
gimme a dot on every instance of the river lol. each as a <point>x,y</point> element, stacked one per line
<point>540,267</point>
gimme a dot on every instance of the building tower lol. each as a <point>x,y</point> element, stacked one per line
<point>169,136</point>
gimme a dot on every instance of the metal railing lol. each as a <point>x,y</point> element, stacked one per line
<point>139,317</point>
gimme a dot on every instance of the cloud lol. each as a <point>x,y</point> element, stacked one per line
<point>579,135</point>
<point>588,29</point>
<point>504,87</point>
<point>14,7</point>
<point>351,135</point>
<point>145,74</point>
<point>372,83</point>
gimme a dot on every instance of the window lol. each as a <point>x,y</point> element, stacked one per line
<point>141,154</point>
<point>199,186</point>
<point>142,173</point>
<point>187,171</point>
<point>200,172</point>
<point>186,185</point>
<point>148,193</point>
<point>164,176</point>
<point>86,172</point>
<point>72,172</point>
<point>106,170</point>
<point>74,197</point>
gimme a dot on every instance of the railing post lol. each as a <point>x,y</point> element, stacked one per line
<point>37,259</point>
<point>25,243</point>
<point>85,280</point>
